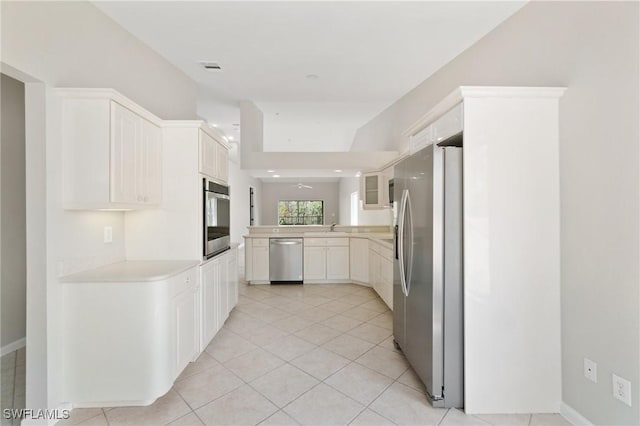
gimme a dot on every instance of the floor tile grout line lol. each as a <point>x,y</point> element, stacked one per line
<point>444,416</point>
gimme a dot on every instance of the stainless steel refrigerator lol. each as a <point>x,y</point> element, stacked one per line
<point>428,280</point>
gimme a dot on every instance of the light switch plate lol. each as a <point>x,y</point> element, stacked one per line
<point>622,389</point>
<point>108,234</point>
<point>591,370</point>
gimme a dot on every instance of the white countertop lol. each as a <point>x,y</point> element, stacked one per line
<point>384,238</point>
<point>132,271</point>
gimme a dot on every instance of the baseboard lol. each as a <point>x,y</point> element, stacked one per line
<point>13,346</point>
<point>572,416</point>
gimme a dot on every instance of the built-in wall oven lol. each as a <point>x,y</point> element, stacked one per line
<point>216,218</point>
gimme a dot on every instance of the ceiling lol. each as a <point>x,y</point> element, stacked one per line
<point>365,55</point>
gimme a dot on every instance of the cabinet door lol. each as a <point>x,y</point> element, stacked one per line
<point>207,155</point>
<point>374,270</point>
<point>222,162</point>
<point>151,164</point>
<point>315,263</point>
<point>186,330</point>
<point>125,142</point>
<point>371,190</point>
<point>261,263</point>
<point>386,281</point>
<point>359,260</point>
<point>209,282</point>
<point>233,282</point>
<point>223,293</point>
<point>337,263</point>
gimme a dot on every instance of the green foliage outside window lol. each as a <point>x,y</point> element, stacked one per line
<point>300,212</point>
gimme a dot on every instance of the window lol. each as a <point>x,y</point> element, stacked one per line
<point>301,212</point>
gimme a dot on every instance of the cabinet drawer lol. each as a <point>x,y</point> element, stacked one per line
<point>183,282</point>
<point>337,241</point>
<point>316,242</point>
<point>260,242</point>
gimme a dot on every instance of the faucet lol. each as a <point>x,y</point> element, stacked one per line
<point>333,225</point>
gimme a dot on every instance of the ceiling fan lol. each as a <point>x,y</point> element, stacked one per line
<point>301,185</point>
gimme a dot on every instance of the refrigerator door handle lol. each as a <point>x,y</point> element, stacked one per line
<point>409,222</point>
<point>401,225</point>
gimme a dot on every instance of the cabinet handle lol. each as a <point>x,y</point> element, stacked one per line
<point>187,280</point>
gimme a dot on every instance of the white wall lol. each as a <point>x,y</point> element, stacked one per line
<point>365,217</point>
<point>591,48</point>
<point>274,192</point>
<point>239,183</point>
<point>72,44</point>
<point>13,275</point>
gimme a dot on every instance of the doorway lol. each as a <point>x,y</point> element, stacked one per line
<point>13,243</point>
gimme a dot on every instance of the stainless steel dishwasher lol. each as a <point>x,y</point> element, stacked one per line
<point>285,260</point>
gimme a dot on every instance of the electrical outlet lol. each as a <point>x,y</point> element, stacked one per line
<point>591,370</point>
<point>108,234</point>
<point>621,389</point>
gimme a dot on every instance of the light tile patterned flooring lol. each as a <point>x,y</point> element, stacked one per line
<point>309,355</point>
<point>12,384</point>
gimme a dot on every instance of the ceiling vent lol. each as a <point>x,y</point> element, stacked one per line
<point>211,66</point>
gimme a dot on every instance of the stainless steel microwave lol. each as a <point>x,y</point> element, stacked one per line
<point>216,220</point>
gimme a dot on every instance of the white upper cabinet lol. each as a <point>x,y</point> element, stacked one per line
<point>208,163</point>
<point>136,159</point>
<point>374,189</point>
<point>111,151</point>
<point>152,164</point>
<point>214,156</point>
<point>448,125</point>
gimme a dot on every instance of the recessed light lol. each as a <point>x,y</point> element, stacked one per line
<point>276,176</point>
<point>358,174</point>
<point>213,124</point>
<point>230,138</point>
<point>337,171</point>
<point>270,171</point>
<point>312,76</point>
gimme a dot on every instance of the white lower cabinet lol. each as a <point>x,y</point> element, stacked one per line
<point>256,260</point>
<point>219,294</point>
<point>381,272</point>
<point>338,263</point>
<point>359,259</point>
<point>232,270</point>
<point>315,263</point>
<point>326,259</point>
<point>261,263</point>
<point>210,279</point>
<point>126,341</point>
<point>185,308</point>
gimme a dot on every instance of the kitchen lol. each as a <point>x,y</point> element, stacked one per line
<point>378,142</point>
